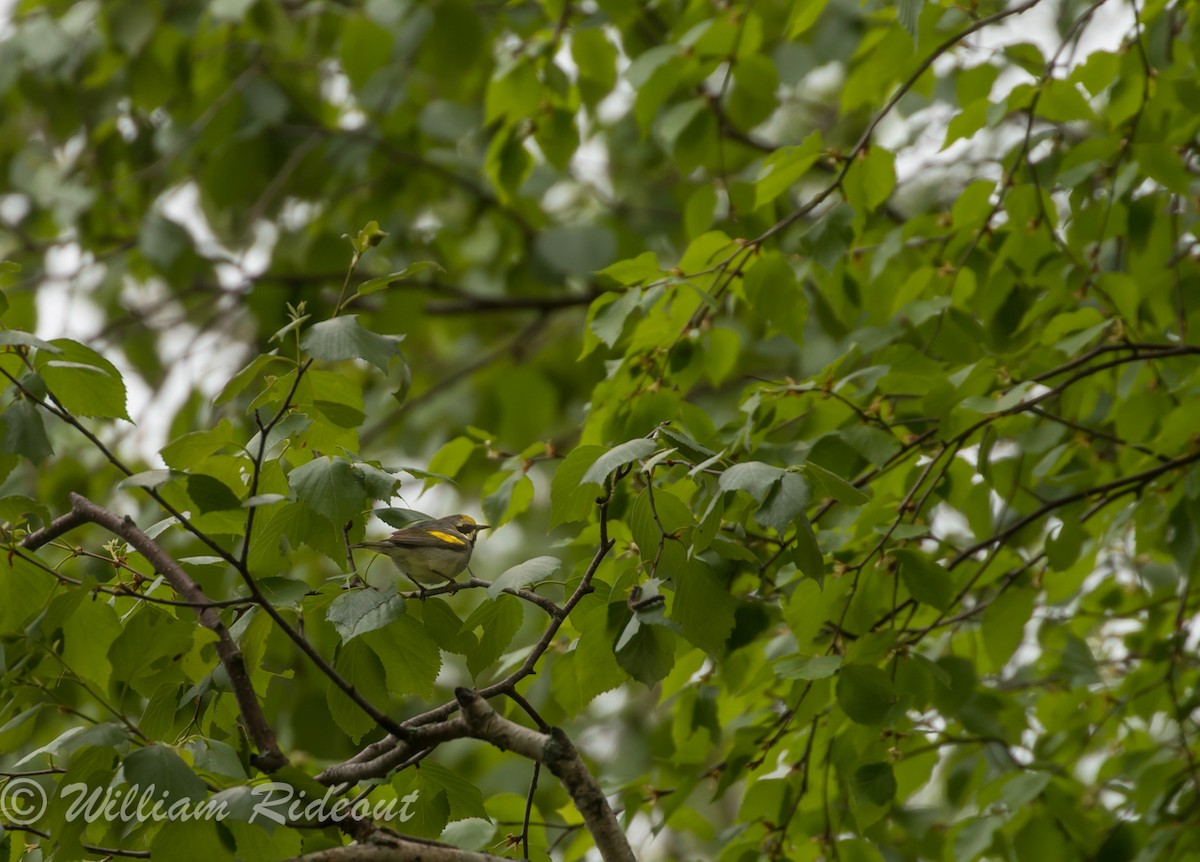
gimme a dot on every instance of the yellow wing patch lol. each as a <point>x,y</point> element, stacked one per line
<point>447,537</point>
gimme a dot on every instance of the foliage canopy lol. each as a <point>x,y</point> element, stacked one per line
<point>823,367</point>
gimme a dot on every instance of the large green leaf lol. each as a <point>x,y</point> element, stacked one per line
<point>330,487</point>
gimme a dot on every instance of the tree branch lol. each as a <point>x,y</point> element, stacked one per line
<point>83,510</point>
<point>555,750</point>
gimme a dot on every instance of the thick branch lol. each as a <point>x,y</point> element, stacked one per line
<point>555,750</point>
<point>83,510</point>
<point>382,756</point>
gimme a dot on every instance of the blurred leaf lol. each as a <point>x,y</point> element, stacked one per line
<point>865,693</point>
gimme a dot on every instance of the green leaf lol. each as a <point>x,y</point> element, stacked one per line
<point>211,494</point>
<point>596,59</point>
<point>382,282</point>
<point>367,237</point>
<point>754,477</point>
<point>702,607</point>
<point>14,337</point>
<point>361,666</point>
<point>256,367</point>
<point>786,502</point>
<point>803,16</point>
<point>149,479</point>
<point>330,487</point>
<point>524,574</point>
<point>183,452</point>
<point>807,553</point>
<point>378,483</point>
<point>365,47</point>
<point>356,612</point>
<point>576,250</point>
<point>449,459</point>
<point>875,783</point>
<point>616,457</point>
<point>609,312</point>
<point>830,237</point>
<point>865,693</point>
<point>871,179</point>
<point>832,485</point>
<point>499,619</point>
<point>85,382</point>
<point>24,433</point>
<point>1062,550</point>
<point>466,800</point>
<point>927,581</point>
<point>808,667</point>
<point>644,267</point>
<point>159,766</point>
<point>646,651</point>
<point>510,498</point>
<point>16,510</point>
<point>692,450</point>
<point>344,338</point>
<point>909,13</point>
<point>411,660</point>
<point>784,167</point>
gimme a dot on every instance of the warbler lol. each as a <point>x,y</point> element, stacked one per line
<point>431,552</point>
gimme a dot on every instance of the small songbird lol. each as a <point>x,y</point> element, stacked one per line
<point>431,552</point>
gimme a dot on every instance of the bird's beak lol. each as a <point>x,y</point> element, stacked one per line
<point>479,527</point>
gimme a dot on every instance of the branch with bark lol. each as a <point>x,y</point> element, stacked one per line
<point>83,510</point>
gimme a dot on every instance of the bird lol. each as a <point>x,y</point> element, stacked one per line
<point>431,552</point>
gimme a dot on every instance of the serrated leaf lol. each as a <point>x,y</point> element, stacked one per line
<point>356,612</point>
<point>330,487</point>
<point>787,501</point>
<point>411,658</point>
<point>754,477</point>
<point>345,338</point>
<point>84,381</point>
